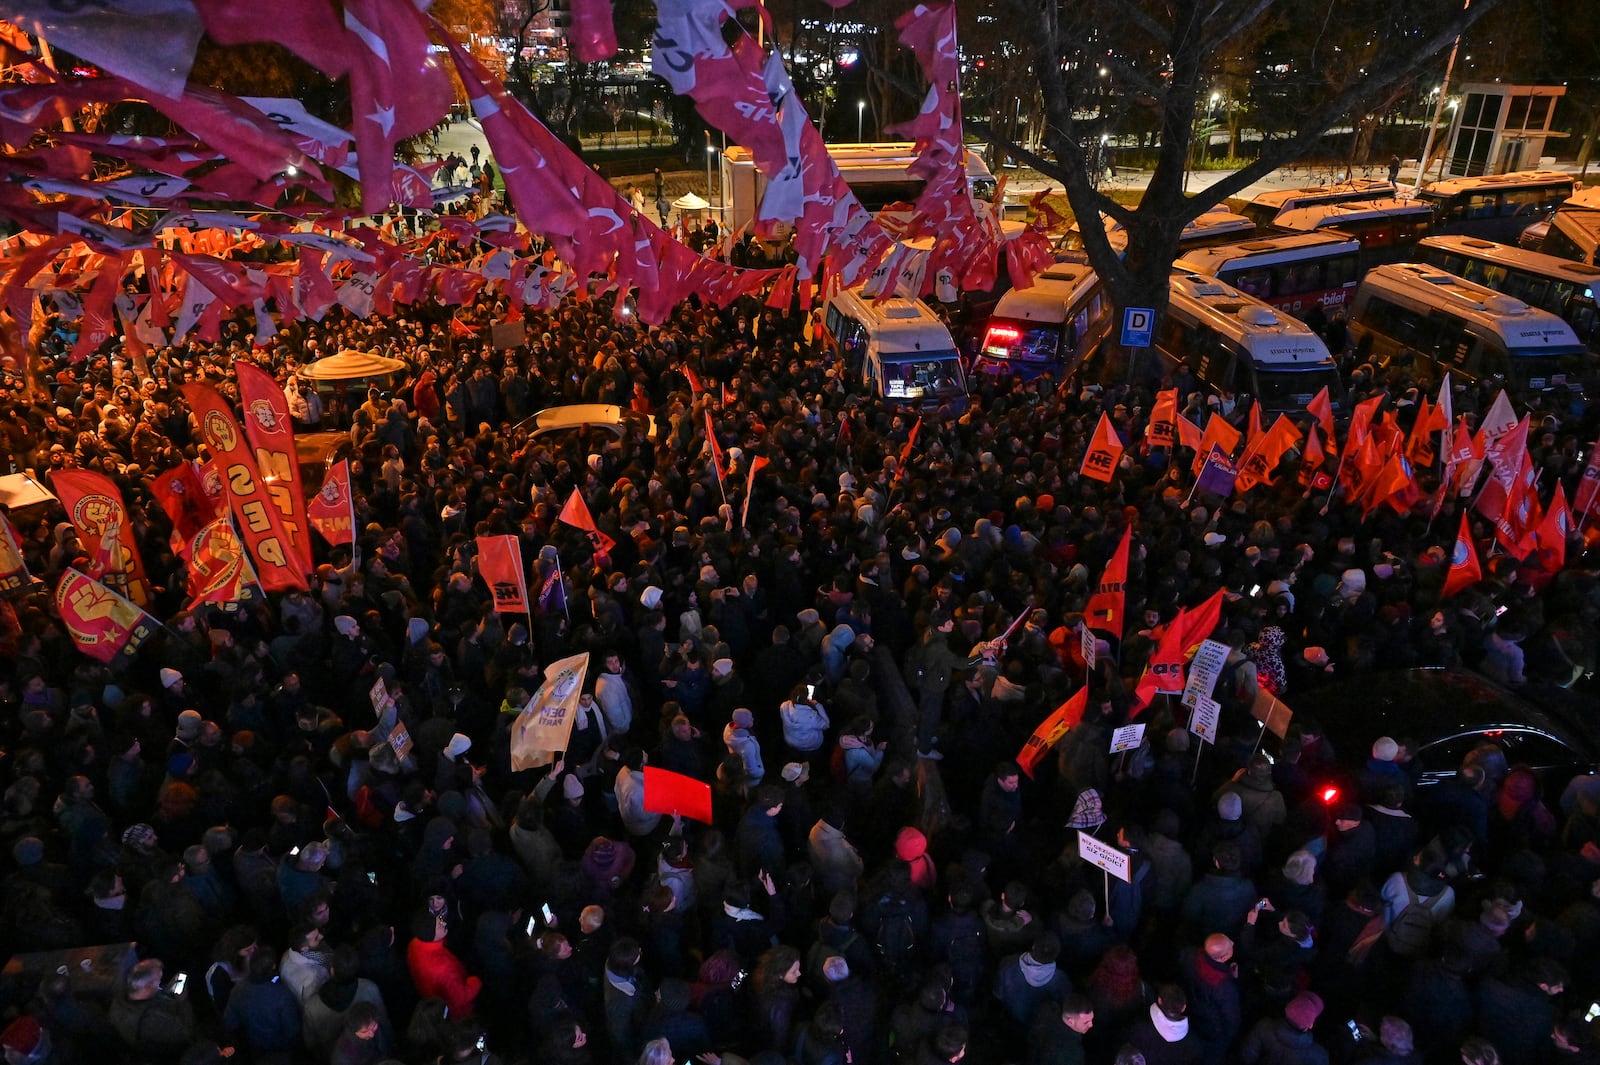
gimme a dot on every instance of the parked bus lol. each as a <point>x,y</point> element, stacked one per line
<point>1496,206</point>
<point>1048,328</point>
<point>1421,318</point>
<point>1217,226</point>
<point>1265,208</point>
<point>1573,232</point>
<point>879,174</point>
<point>1237,344</point>
<point>895,349</point>
<point>1386,229</point>
<point>1293,272</point>
<point>1564,288</point>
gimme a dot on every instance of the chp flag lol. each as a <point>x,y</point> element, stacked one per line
<point>544,725</point>
<point>500,566</point>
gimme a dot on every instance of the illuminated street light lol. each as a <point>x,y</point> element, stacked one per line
<point>861,114</point>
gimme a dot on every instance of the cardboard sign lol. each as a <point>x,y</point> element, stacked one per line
<point>1087,641</point>
<point>508,334</point>
<point>400,740</point>
<point>1203,721</point>
<point>1204,671</point>
<point>1272,713</point>
<point>1128,737</point>
<point>1104,856</point>
<point>379,695</point>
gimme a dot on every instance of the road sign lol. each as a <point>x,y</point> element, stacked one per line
<point>1138,326</point>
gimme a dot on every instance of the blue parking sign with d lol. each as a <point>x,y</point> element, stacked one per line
<point>1138,324</point>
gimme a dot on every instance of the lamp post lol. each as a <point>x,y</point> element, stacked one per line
<point>861,113</point>
<point>710,151</point>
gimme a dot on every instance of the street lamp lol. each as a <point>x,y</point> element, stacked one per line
<point>710,151</point>
<point>861,114</point>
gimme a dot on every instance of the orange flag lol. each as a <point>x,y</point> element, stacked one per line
<point>1162,431</point>
<point>1051,729</point>
<point>1464,568</point>
<point>1263,456</point>
<point>1312,458</point>
<point>1394,485</point>
<point>1321,408</point>
<point>1550,538</point>
<point>1100,461</point>
<point>576,514</point>
<point>1178,643</point>
<point>1220,433</point>
<point>1360,467</point>
<point>1256,430</point>
<point>1430,419</point>
<point>1189,435</point>
<point>1361,421</point>
<point>1105,609</point>
<point>500,566</point>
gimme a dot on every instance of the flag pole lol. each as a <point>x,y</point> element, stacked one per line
<point>561,586</point>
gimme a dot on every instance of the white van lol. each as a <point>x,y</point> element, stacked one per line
<point>895,349</point>
<point>1048,328</point>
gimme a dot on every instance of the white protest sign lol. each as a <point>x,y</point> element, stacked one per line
<point>379,694</point>
<point>1128,737</point>
<point>1203,721</point>
<point>1104,856</point>
<point>1088,643</point>
<point>1204,671</point>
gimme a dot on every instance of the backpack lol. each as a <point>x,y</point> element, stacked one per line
<point>895,935</point>
<point>967,957</point>
<point>1411,932</point>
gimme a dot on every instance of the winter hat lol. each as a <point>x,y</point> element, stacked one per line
<point>1229,806</point>
<point>1316,656</point>
<point>189,723</point>
<point>1353,582</point>
<point>170,677</point>
<point>29,850</point>
<point>1215,539</point>
<point>910,844</point>
<point>722,667</point>
<point>1087,812</point>
<point>458,745</point>
<point>140,837</point>
<point>743,718</point>
<point>416,630</point>
<point>1303,1010</point>
<point>793,772</point>
<point>650,597</point>
<point>347,625</point>
<point>808,617</point>
<point>571,787</point>
<point>1385,749</point>
<point>21,1036</point>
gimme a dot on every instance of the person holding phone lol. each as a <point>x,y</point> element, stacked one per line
<point>157,1024</point>
<point>805,722</point>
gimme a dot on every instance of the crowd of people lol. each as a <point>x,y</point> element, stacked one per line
<point>880,883</point>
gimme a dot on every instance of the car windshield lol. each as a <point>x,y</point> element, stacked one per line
<point>1290,390</point>
<point>914,379</point>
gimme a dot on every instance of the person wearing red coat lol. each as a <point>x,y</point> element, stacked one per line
<point>437,972</point>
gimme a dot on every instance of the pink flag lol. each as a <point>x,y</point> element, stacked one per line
<point>308,28</point>
<point>149,42</point>
<point>593,36</point>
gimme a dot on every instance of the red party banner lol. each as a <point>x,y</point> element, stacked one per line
<point>14,576</point>
<point>103,625</point>
<point>93,503</point>
<point>666,792</point>
<point>332,511</point>
<point>1051,729</point>
<point>1464,569</point>
<point>219,570</point>
<point>184,500</point>
<point>259,520</point>
<point>500,566</point>
<point>271,434</point>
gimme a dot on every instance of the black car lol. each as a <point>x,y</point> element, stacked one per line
<point>1449,712</point>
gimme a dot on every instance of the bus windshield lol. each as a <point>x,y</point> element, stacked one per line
<point>938,373</point>
<point>1539,369</point>
<point>1017,340</point>
<point>1290,390</point>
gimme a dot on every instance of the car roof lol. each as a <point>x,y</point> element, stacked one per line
<point>582,415</point>
<point>1427,704</point>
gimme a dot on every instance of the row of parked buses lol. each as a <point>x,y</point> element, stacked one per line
<point>1420,284</point>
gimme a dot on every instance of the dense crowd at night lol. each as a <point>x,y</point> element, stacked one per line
<point>852,657</point>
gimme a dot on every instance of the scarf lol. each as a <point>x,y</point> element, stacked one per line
<point>627,987</point>
<point>1267,654</point>
<point>739,913</point>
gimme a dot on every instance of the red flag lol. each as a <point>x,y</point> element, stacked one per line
<point>271,435</point>
<point>593,36</point>
<point>309,30</point>
<point>461,330</point>
<point>1466,459</point>
<point>1321,408</point>
<point>666,792</point>
<point>332,510</point>
<point>1360,466</point>
<point>905,452</point>
<point>103,624</point>
<point>1588,485</point>
<point>219,570</point>
<point>1105,609</point>
<point>1105,448</point>
<point>1312,458</point>
<point>183,500</point>
<point>14,576</point>
<point>695,387</point>
<point>1506,453</point>
<point>1394,485</point>
<point>576,514</point>
<point>1162,430</point>
<point>1430,419</point>
<point>1189,434</point>
<point>1255,429</point>
<point>715,447</point>
<point>1051,729</point>
<point>259,521</point>
<point>1519,516</point>
<point>500,566</point>
<point>756,465</point>
<point>93,504</point>
<point>397,88</point>
<point>1263,456</point>
<point>1550,538</point>
<point>1464,569</point>
<point>1361,422</point>
<point>1178,643</point>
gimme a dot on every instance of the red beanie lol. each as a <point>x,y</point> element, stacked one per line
<point>910,844</point>
<point>21,1035</point>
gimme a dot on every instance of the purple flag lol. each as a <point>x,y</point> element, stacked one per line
<point>1218,474</point>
